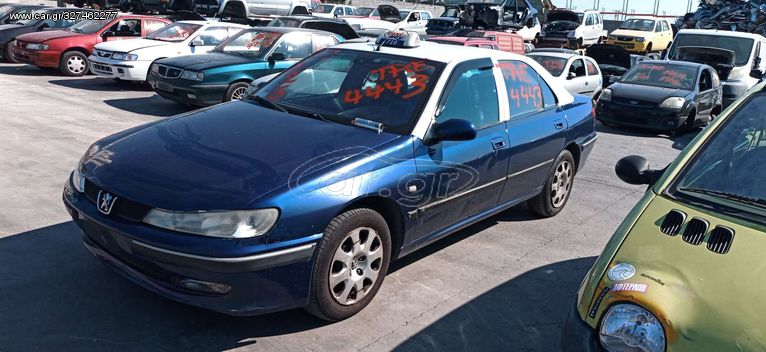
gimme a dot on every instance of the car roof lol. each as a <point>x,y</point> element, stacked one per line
<point>721,33</point>
<point>289,30</point>
<point>673,62</point>
<point>306,18</point>
<point>552,54</point>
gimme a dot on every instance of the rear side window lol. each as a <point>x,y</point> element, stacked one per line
<point>592,69</point>
<point>525,95</point>
<point>295,46</point>
<point>349,11</point>
<point>426,16</point>
<point>127,28</point>
<point>214,36</point>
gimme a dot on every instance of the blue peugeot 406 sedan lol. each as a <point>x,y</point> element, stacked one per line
<point>303,193</point>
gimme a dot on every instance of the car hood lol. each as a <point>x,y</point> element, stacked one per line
<point>10,31</point>
<point>720,59</point>
<point>607,54</point>
<point>222,157</point>
<point>206,61</point>
<point>389,13</point>
<point>39,37</point>
<point>563,15</point>
<point>705,299</point>
<point>129,45</point>
<point>491,14</point>
<point>645,93</point>
<point>632,33</point>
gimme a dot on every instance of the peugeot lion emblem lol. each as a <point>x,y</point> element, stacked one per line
<point>105,202</point>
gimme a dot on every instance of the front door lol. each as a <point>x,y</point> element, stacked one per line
<point>463,178</point>
<point>706,96</point>
<point>577,77</point>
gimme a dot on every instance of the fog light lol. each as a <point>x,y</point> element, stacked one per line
<point>203,286</point>
<point>191,96</point>
<point>119,70</point>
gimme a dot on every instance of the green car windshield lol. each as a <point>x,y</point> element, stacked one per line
<point>727,172</point>
<point>250,43</point>
<point>347,85</point>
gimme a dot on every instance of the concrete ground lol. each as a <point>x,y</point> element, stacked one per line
<point>503,284</point>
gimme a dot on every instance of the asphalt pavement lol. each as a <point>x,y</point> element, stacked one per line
<point>504,284</point>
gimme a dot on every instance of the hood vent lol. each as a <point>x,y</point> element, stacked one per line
<point>720,239</point>
<point>695,231</point>
<point>672,223</point>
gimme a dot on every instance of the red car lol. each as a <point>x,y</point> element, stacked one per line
<point>68,50</point>
<point>478,42</point>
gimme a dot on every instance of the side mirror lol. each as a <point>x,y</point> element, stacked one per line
<point>756,73</point>
<point>571,75</point>
<point>197,42</point>
<point>108,34</point>
<point>635,171</point>
<point>452,130</point>
<point>277,57</point>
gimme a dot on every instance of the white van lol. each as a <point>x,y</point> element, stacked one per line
<point>575,29</point>
<point>737,56</point>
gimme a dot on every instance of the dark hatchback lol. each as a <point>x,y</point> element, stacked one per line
<point>225,73</point>
<point>663,96</point>
<point>9,32</point>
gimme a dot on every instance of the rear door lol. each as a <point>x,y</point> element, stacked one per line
<point>536,130</point>
<point>706,95</point>
<point>593,83</point>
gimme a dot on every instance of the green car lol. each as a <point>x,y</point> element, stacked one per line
<point>225,73</point>
<point>685,270</point>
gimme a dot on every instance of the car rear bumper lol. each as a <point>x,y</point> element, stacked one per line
<point>576,336</point>
<point>42,58</point>
<point>261,282</point>
<point>125,70</point>
<point>654,118</point>
<point>181,91</point>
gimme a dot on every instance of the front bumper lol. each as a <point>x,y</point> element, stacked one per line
<point>41,58</point>
<point>262,282</point>
<point>653,118</point>
<point>188,92</point>
<point>632,46</point>
<point>576,336</point>
<point>124,70</point>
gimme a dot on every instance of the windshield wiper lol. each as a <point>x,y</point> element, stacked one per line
<point>727,195</point>
<point>268,103</point>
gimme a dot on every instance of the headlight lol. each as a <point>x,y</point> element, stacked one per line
<point>77,179</point>
<point>673,103</point>
<point>640,40</point>
<point>37,46</point>
<point>125,57</point>
<point>226,224</point>
<point>606,95</point>
<point>612,37</point>
<point>571,34</point>
<point>628,327</point>
<point>155,68</point>
<point>193,75</point>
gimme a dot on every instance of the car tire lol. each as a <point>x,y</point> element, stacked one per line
<point>557,188</point>
<point>342,265</point>
<point>691,121</point>
<point>648,48</point>
<point>7,55</point>
<point>73,63</point>
<point>236,91</point>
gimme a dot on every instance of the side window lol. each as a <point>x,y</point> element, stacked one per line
<point>295,46</point>
<point>349,11</point>
<point>472,97</point>
<point>127,28</point>
<point>716,80</point>
<point>549,99</point>
<point>592,69</point>
<point>523,84</point>
<point>589,20</point>
<point>214,35</point>
<point>426,16</point>
<point>152,25</point>
<point>323,41</point>
<point>706,81</point>
<point>338,11</point>
<point>577,69</point>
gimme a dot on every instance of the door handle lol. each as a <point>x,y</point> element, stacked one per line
<point>558,124</point>
<point>498,143</point>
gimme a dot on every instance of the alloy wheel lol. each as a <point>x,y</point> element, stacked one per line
<point>239,93</point>
<point>355,266</point>
<point>562,183</point>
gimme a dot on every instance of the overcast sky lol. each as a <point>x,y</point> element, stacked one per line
<point>671,7</point>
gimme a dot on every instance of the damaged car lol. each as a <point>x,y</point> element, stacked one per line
<point>449,19</point>
<point>613,61</point>
<point>498,14</point>
<point>677,274</point>
<point>573,29</point>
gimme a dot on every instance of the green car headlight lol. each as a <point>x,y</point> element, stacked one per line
<point>193,75</point>
<point>628,327</point>
<point>226,224</point>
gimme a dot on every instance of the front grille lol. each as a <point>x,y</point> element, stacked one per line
<point>101,67</point>
<point>169,72</point>
<point>634,102</point>
<point>672,222</point>
<point>695,231</point>
<point>103,54</point>
<point>123,208</point>
<point>720,239</point>
<point>625,39</point>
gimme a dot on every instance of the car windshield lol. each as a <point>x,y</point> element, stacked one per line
<point>174,32</point>
<point>324,9</point>
<point>742,47</point>
<point>363,11</point>
<point>554,65</point>
<point>343,85</point>
<point>728,169</point>
<point>638,25</point>
<point>250,43</point>
<point>88,26</point>
<point>30,19</point>
<point>663,75</point>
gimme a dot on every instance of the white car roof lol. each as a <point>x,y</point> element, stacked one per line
<point>721,33</point>
<point>225,24</point>
<point>552,54</point>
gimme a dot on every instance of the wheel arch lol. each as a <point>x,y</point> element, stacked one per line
<point>391,212</point>
<point>575,149</point>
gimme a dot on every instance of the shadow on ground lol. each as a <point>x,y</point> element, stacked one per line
<point>154,106</point>
<point>26,70</point>
<point>97,84</point>
<point>525,313</point>
<point>680,139</point>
